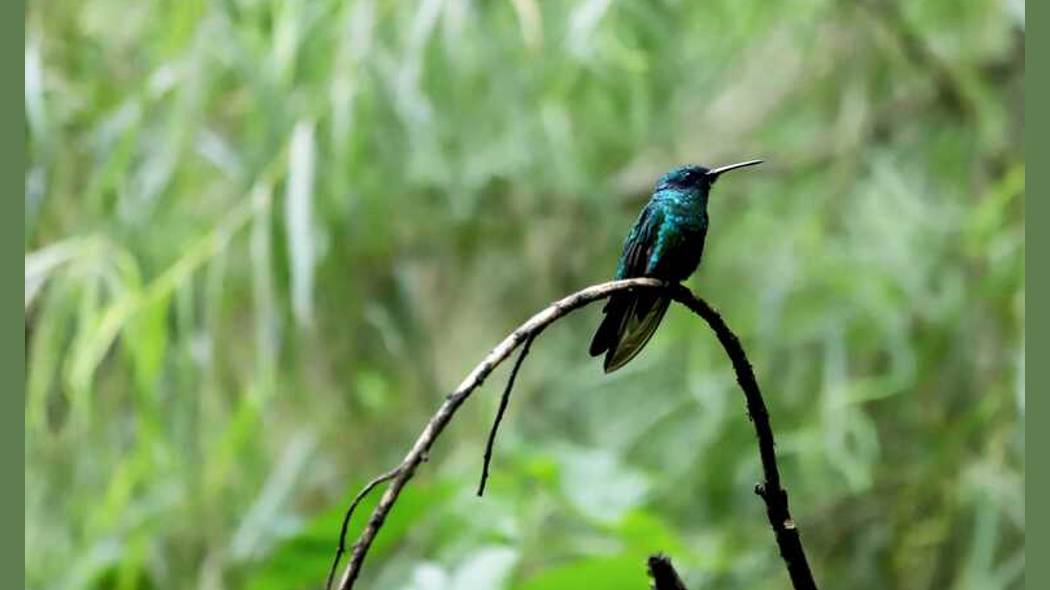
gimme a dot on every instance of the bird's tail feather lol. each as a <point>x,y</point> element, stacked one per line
<point>608,332</point>
<point>630,320</point>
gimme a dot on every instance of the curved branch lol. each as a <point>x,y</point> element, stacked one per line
<point>441,418</point>
<point>775,496</point>
<point>770,490</point>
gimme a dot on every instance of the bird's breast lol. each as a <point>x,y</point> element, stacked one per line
<point>679,247</point>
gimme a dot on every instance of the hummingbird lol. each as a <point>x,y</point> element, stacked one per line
<point>666,242</point>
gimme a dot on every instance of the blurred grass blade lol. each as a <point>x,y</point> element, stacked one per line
<point>298,213</point>
<point>92,348</point>
<point>264,299</point>
<point>40,264</point>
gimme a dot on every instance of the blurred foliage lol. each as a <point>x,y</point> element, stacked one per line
<point>264,238</point>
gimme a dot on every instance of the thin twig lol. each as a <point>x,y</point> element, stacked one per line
<point>503,401</point>
<point>771,491</point>
<point>341,548</point>
<point>663,574</point>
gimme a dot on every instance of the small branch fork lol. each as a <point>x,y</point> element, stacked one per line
<point>770,490</point>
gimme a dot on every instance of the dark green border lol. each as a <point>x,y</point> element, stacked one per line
<point>12,20</point>
<point>1037,100</point>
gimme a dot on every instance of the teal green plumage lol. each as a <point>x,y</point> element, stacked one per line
<point>666,242</point>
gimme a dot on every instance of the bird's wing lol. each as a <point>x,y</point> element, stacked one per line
<point>623,308</point>
<point>639,244</point>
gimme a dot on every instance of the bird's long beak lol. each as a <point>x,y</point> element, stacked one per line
<point>713,174</point>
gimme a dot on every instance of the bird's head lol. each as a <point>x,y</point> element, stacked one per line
<point>696,177</point>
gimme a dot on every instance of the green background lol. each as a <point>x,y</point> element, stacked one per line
<point>263,239</point>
